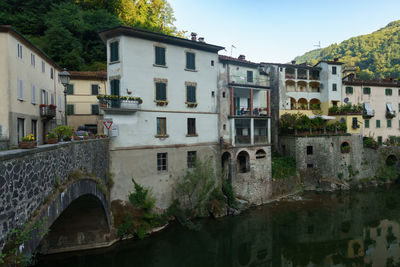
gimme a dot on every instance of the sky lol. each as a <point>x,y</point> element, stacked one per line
<point>278,31</point>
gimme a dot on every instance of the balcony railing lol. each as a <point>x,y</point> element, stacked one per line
<point>260,139</point>
<point>242,140</point>
<point>243,80</point>
<point>245,111</point>
<point>119,102</point>
<point>47,111</point>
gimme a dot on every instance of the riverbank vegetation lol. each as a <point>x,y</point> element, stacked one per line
<point>283,166</point>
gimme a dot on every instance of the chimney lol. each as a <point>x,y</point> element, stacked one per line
<point>242,57</point>
<point>201,39</point>
<point>293,62</point>
<point>336,59</point>
<point>193,34</point>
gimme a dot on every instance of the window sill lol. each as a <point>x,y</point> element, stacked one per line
<point>191,104</point>
<point>190,70</point>
<point>114,62</point>
<point>160,66</point>
<point>161,136</point>
<point>161,102</point>
<point>192,135</point>
<point>20,99</point>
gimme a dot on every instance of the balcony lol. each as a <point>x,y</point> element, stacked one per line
<point>47,112</point>
<point>255,82</point>
<point>245,111</point>
<point>390,112</point>
<point>251,131</point>
<point>119,104</point>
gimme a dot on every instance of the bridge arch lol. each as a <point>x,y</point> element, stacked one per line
<point>85,190</point>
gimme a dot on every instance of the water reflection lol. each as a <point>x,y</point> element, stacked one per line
<point>350,229</point>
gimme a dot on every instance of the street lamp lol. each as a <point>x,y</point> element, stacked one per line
<point>65,77</point>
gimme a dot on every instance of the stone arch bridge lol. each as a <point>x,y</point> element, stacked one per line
<point>63,185</point>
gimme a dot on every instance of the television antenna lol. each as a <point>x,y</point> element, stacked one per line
<point>318,45</point>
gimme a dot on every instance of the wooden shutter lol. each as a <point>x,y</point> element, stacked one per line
<point>161,91</point>
<point>191,94</point>
<point>114,51</point>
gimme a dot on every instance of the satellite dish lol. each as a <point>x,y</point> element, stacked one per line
<point>342,120</point>
<point>346,100</point>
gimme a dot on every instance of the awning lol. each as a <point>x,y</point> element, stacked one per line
<point>390,108</point>
<point>368,109</point>
<point>324,117</point>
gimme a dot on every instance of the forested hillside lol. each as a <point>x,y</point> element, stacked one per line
<point>66,30</point>
<point>376,54</point>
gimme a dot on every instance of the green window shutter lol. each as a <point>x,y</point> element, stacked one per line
<point>70,109</point>
<point>349,90</point>
<point>389,123</point>
<point>378,124</point>
<point>366,90</point>
<point>191,94</point>
<point>114,51</point>
<point>190,61</point>
<point>366,123</point>
<point>334,87</point>
<point>115,87</point>
<point>70,89</point>
<point>249,76</point>
<point>95,109</point>
<point>160,56</point>
<point>161,91</point>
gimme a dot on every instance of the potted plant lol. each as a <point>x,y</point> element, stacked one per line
<point>27,142</point>
<point>52,138</point>
<point>330,128</point>
<point>75,137</point>
<point>191,104</point>
<point>64,131</point>
<point>85,136</point>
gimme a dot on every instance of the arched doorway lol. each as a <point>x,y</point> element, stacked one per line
<point>302,104</point>
<point>315,104</point>
<point>293,104</point>
<point>243,162</point>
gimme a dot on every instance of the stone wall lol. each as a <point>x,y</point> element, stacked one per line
<point>28,176</point>
<point>327,159</point>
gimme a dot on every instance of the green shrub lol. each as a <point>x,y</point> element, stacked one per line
<point>283,167</point>
<point>227,189</point>
<point>64,131</point>
<point>141,198</point>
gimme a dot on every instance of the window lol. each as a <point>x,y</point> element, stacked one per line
<point>366,123</point>
<point>335,103</point>
<point>19,51</point>
<point>310,165</point>
<point>399,92</point>
<point>52,100</point>
<point>20,90</point>
<point>223,94</point>
<point>354,123</point>
<point>190,61</point>
<point>70,109</point>
<point>380,139</point>
<point>309,150</point>
<point>70,89</point>
<point>349,90</point>
<point>43,67</point>
<point>60,103</point>
<point>95,109</point>
<point>389,123</point>
<point>249,76</point>
<point>95,89</point>
<point>378,124</point>
<point>43,97</point>
<point>161,91</point>
<point>334,87</point>
<point>114,53</point>
<point>160,55</point>
<point>51,73</point>
<point>212,63</point>
<point>191,94</point>
<point>191,158</point>
<point>32,59</point>
<point>161,126</point>
<point>212,94</point>
<point>21,129</point>
<point>33,94</point>
<point>162,161</point>
<point>388,91</point>
<point>34,128</point>
<point>366,91</point>
<point>334,70</point>
<point>191,126</point>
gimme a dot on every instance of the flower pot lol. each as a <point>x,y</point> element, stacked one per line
<point>52,141</point>
<point>86,137</point>
<point>26,145</point>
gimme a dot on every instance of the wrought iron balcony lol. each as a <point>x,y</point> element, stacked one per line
<point>119,103</point>
<point>47,111</point>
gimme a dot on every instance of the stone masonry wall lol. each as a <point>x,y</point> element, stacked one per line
<point>27,176</point>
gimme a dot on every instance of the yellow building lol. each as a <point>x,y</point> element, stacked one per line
<point>31,94</point>
<point>82,104</point>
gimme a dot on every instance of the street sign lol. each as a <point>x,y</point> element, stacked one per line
<point>108,124</point>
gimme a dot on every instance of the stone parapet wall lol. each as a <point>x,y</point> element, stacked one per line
<point>27,177</point>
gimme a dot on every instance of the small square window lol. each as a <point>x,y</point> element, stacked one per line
<point>70,89</point>
<point>162,161</point>
<point>212,94</point>
<point>191,158</point>
<point>212,62</point>
<point>310,165</point>
<point>309,150</point>
<point>388,91</point>
<point>95,109</point>
<point>366,91</point>
<point>334,87</point>
<point>70,109</point>
<point>223,94</point>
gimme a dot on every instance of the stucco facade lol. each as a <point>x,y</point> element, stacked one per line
<point>29,86</point>
<point>377,97</point>
<point>82,100</point>
<point>152,141</point>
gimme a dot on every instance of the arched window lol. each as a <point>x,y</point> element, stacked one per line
<point>260,154</point>
<point>345,147</point>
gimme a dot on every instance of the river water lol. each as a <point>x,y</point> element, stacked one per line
<point>324,229</point>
